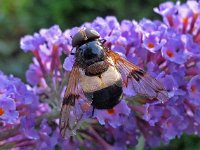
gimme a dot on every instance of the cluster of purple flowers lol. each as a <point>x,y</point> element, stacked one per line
<point>17,102</point>
<point>168,50</point>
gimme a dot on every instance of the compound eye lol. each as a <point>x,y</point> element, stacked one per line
<point>83,36</point>
<point>92,34</point>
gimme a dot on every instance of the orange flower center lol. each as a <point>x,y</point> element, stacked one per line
<point>196,15</point>
<point>170,54</point>
<point>111,111</point>
<point>151,45</point>
<point>185,20</point>
<point>1,111</point>
<point>193,88</point>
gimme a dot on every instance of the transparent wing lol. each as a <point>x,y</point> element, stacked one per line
<point>67,122</point>
<point>143,83</point>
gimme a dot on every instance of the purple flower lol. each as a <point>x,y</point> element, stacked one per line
<point>183,18</point>
<point>71,144</point>
<point>101,26</point>
<point>151,134</point>
<point>114,26</point>
<point>53,36</point>
<point>68,63</point>
<point>31,43</point>
<point>169,65</point>
<point>171,126</point>
<point>167,50</point>
<point>46,142</point>
<point>173,51</point>
<point>153,69</point>
<point>175,123</point>
<point>191,46</point>
<point>166,10</point>
<point>34,74</point>
<point>44,127</point>
<point>46,51</point>
<point>28,127</point>
<point>148,26</point>
<point>194,6</point>
<point>153,113</point>
<point>130,33</point>
<point>47,138</point>
<point>128,91</point>
<point>127,133</point>
<point>197,116</point>
<point>153,43</point>
<point>14,94</point>
<point>8,113</point>
<point>193,87</point>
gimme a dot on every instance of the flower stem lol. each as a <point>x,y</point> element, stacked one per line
<point>100,139</point>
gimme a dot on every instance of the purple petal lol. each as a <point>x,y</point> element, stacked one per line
<point>68,63</point>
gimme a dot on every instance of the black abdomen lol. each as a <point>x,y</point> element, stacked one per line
<point>106,98</point>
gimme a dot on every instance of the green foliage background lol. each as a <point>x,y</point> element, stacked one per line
<point>21,17</point>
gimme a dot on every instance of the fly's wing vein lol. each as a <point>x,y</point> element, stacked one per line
<point>70,97</point>
<point>143,83</point>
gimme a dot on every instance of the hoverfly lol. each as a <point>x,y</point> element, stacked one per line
<point>99,72</point>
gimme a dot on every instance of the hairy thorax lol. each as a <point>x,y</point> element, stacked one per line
<point>96,68</point>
